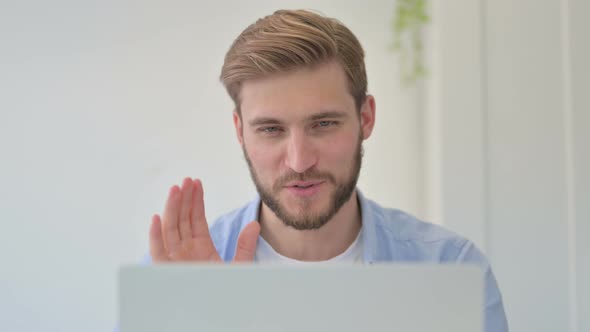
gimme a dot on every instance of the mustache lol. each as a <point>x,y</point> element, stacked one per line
<point>309,175</point>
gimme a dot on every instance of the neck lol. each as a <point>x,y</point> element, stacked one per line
<point>324,243</point>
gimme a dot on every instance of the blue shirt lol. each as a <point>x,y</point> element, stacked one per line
<point>388,235</point>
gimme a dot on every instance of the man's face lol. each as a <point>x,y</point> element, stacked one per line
<point>302,138</point>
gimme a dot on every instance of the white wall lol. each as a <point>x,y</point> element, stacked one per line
<point>510,149</point>
<point>105,104</point>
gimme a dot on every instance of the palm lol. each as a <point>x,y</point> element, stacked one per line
<point>184,233</point>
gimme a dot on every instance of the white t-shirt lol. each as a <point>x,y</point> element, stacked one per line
<point>353,255</point>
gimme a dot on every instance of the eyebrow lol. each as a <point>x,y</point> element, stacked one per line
<point>263,121</point>
<point>314,117</point>
<point>328,114</point>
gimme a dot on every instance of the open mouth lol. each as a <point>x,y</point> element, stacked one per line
<point>304,186</point>
<point>305,189</point>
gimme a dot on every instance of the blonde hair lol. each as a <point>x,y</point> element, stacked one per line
<point>292,39</point>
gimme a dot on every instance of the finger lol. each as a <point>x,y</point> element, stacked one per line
<point>203,244</point>
<point>184,222</point>
<point>246,247</point>
<point>170,227</point>
<point>157,249</point>
<point>200,227</point>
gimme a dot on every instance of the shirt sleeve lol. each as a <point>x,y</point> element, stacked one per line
<point>495,317</point>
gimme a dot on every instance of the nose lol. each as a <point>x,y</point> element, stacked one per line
<point>300,154</point>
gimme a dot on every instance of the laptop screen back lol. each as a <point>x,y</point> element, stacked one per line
<point>263,298</point>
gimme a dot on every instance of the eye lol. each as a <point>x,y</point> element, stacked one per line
<point>326,124</point>
<point>273,130</point>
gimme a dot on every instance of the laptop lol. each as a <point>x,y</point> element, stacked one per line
<point>267,298</point>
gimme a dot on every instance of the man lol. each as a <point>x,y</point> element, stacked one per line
<point>301,113</point>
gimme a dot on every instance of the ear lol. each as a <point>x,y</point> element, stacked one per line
<point>238,126</point>
<point>368,116</point>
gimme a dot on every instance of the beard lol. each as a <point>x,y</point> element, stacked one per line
<point>305,218</point>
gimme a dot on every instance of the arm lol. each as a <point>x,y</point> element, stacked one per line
<point>495,317</point>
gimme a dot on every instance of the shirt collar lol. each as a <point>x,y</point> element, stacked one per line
<point>371,252</point>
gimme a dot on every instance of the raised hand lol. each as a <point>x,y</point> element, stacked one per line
<point>183,235</point>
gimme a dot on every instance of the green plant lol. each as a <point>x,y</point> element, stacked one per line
<point>409,20</point>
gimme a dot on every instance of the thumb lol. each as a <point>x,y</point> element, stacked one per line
<point>246,247</point>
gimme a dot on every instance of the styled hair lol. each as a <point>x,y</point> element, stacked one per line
<point>289,40</point>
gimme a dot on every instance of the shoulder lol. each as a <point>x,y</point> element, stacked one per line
<point>226,229</point>
<point>401,236</point>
